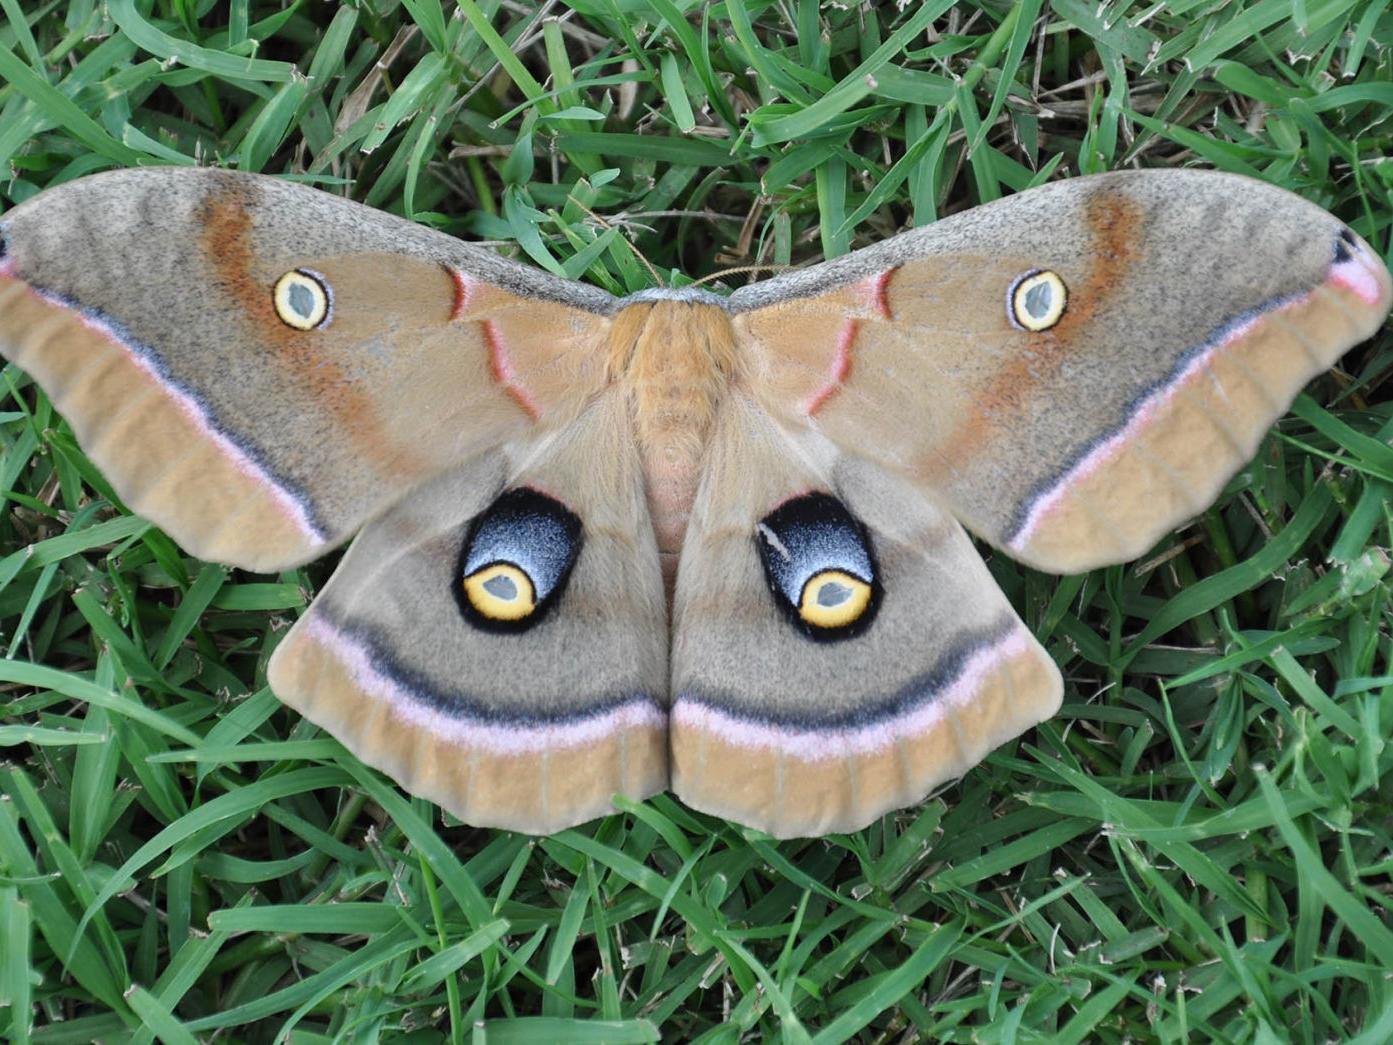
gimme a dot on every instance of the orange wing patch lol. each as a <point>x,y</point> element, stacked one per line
<point>227,240</point>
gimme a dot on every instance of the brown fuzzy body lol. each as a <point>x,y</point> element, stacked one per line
<point>674,360</point>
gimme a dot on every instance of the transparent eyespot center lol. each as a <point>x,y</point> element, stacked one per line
<point>1037,300</point>
<point>303,299</point>
<point>501,592</point>
<point>833,599</point>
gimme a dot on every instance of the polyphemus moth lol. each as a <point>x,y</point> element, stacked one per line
<point>675,540</point>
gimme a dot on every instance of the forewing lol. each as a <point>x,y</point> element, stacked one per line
<point>1196,306</point>
<point>149,304</point>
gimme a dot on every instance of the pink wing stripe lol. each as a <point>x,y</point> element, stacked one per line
<point>285,500</point>
<point>464,291</point>
<point>838,372</point>
<point>501,367</point>
<point>872,293</point>
<point>470,731</point>
<point>823,744</point>
<point>1359,274</point>
<point>875,291</point>
<point>500,361</point>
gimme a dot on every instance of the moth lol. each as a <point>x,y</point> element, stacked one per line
<point>675,540</point>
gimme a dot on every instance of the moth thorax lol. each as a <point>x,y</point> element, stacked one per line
<point>675,358</point>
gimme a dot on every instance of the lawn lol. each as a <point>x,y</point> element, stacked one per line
<point>1197,848</point>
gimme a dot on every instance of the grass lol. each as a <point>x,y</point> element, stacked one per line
<point>1197,848</point>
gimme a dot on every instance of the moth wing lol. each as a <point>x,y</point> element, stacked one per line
<point>1195,306</point>
<point>530,721</point>
<point>800,730</point>
<point>148,304</point>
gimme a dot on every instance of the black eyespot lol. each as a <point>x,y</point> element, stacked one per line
<point>516,559</point>
<point>4,245</point>
<point>820,567</point>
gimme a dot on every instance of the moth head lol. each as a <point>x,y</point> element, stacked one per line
<point>303,299</point>
<point>516,560</point>
<point>820,566</point>
<point>1036,300</point>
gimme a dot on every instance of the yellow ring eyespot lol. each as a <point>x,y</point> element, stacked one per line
<point>1037,300</point>
<point>303,299</point>
<point>833,599</point>
<point>501,592</point>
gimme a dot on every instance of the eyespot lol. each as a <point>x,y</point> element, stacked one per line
<point>303,299</point>
<point>820,567</point>
<point>833,599</point>
<point>1037,300</point>
<point>501,592</point>
<point>516,560</point>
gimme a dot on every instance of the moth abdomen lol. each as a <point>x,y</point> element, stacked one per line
<point>675,359</point>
